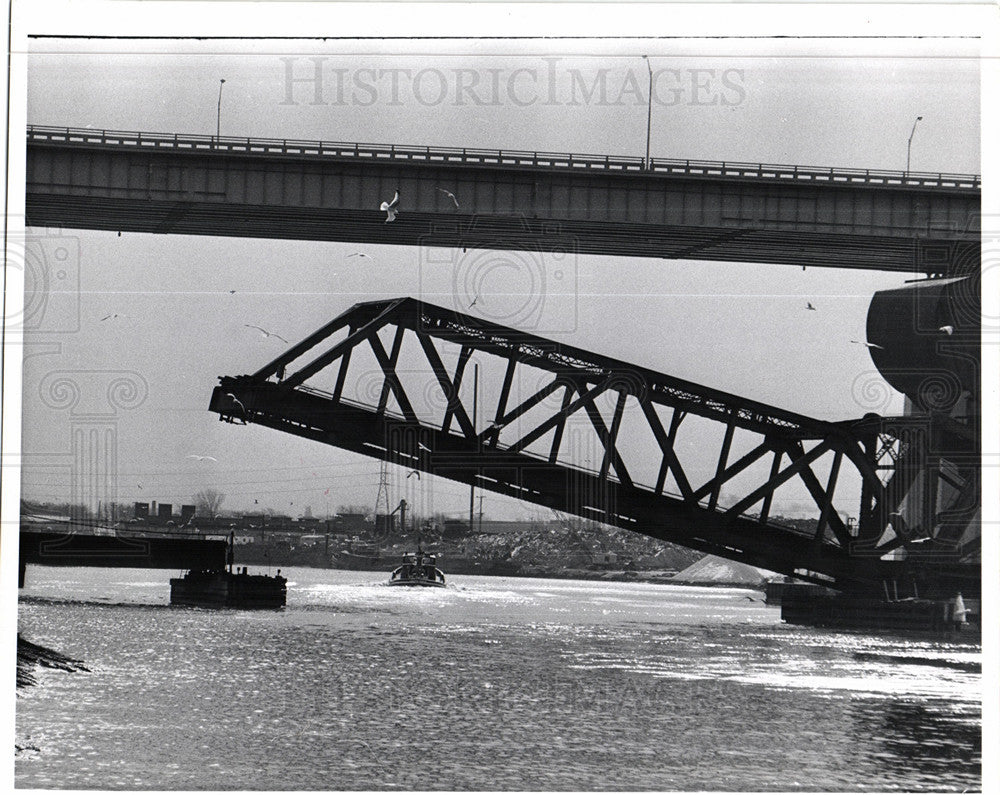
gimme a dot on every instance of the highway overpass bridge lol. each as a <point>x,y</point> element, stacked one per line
<point>499,199</point>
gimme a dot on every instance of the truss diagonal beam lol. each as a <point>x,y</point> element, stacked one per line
<point>449,388</point>
<point>732,471</point>
<point>397,344</point>
<point>317,364</point>
<point>392,379</point>
<point>666,442</point>
<point>610,452</point>
<point>339,322</point>
<point>819,494</point>
<point>454,399</point>
<point>585,397</point>
<point>797,467</point>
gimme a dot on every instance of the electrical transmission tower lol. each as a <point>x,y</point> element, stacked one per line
<point>382,502</point>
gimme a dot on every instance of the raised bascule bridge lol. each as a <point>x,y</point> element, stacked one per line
<point>911,483</point>
<point>547,406</point>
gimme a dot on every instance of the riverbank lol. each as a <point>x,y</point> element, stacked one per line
<point>30,655</point>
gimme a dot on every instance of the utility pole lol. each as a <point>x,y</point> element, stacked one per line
<point>481,498</point>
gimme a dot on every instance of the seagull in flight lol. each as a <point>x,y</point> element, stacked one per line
<point>868,344</point>
<point>423,446</point>
<point>359,254</point>
<point>266,333</point>
<point>413,472</point>
<point>109,317</point>
<point>450,195</point>
<point>810,307</point>
<point>390,208</point>
<point>203,457</point>
<point>474,302</point>
<point>949,330</point>
<point>237,401</point>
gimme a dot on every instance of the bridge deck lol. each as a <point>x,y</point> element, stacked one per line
<point>501,157</point>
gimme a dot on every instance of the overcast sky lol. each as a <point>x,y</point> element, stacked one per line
<point>740,328</point>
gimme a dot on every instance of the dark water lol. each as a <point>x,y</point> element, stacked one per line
<point>491,684</point>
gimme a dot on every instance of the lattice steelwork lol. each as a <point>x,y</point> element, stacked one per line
<point>391,380</point>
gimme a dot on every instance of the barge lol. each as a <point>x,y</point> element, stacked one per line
<point>225,588</point>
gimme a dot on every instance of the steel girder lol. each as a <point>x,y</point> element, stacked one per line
<point>518,447</point>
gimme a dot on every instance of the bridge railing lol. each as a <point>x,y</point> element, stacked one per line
<point>502,157</point>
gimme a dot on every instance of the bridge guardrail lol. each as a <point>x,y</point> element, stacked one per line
<point>504,157</point>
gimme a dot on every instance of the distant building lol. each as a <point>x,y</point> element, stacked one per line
<point>165,512</point>
<point>141,511</point>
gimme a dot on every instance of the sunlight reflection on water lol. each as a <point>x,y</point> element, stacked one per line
<point>492,683</point>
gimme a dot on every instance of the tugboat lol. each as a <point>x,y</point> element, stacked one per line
<point>222,587</point>
<point>420,572</point>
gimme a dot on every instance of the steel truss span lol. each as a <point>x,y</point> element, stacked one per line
<point>589,435</point>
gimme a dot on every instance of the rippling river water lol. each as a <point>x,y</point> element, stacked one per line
<point>490,684</point>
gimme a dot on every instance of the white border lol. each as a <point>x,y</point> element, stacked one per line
<point>406,19</point>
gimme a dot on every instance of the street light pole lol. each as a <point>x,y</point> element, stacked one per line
<point>910,141</point>
<point>649,111</point>
<point>218,112</point>
<point>475,406</point>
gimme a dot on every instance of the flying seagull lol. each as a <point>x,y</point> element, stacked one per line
<point>237,401</point>
<point>423,446</point>
<point>949,330</point>
<point>450,195</point>
<point>203,458</point>
<point>390,208</point>
<point>474,302</point>
<point>109,317</point>
<point>810,306</point>
<point>359,254</point>
<point>413,472</point>
<point>266,333</point>
<point>868,344</point>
